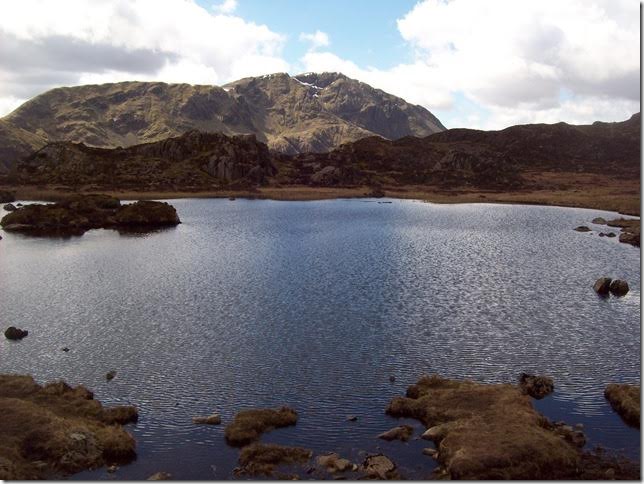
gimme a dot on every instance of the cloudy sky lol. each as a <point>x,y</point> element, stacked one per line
<point>481,64</point>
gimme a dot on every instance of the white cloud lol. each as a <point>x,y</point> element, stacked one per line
<point>317,39</point>
<point>44,44</point>
<point>513,60</point>
<point>226,7</point>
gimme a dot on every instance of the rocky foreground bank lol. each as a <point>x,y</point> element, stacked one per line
<point>55,430</point>
<point>77,214</point>
<point>479,431</point>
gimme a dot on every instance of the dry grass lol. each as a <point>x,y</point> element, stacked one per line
<point>487,431</point>
<point>57,430</point>
<point>555,188</point>
<point>249,425</point>
<point>625,400</point>
<point>264,459</point>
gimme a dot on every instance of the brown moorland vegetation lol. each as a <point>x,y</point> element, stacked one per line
<point>249,425</point>
<point>56,430</point>
<point>625,400</point>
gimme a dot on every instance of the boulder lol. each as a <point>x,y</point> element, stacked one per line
<point>214,419</point>
<point>9,207</point>
<point>602,285</point>
<point>433,453</point>
<point>110,375</point>
<point>397,433</point>
<point>599,221</point>
<point>14,333</point>
<point>334,463</point>
<point>160,476</point>
<point>536,386</point>
<point>619,288</point>
<point>611,234</point>
<point>582,228</point>
<point>380,466</point>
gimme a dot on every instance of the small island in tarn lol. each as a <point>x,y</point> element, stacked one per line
<point>80,213</point>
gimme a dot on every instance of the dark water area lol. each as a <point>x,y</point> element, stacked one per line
<point>315,305</point>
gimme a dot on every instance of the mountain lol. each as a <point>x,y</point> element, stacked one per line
<point>291,114</point>
<point>458,158</point>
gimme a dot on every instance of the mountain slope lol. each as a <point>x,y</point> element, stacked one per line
<point>311,112</point>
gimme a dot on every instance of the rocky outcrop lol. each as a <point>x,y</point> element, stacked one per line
<point>192,161</point>
<point>630,230</point>
<point>55,430</point>
<point>78,214</point>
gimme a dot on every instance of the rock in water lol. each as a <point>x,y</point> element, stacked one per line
<point>602,285</point>
<point>536,386</point>
<point>110,375</point>
<point>619,288</point>
<point>10,207</point>
<point>214,419</point>
<point>397,433</point>
<point>14,333</point>
<point>160,476</point>
<point>380,466</point>
<point>599,221</point>
<point>146,213</point>
<point>582,228</point>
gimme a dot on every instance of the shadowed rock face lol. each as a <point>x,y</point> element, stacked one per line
<point>290,114</point>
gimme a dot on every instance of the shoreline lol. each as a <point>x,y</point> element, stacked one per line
<point>622,197</point>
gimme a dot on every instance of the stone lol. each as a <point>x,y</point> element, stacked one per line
<point>599,221</point>
<point>433,453</point>
<point>402,432</point>
<point>352,418</point>
<point>602,285</point>
<point>110,375</point>
<point>582,228</point>
<point>379,466</point>
<point>9,207</point>
<point>14,333</point>
<point>619,288</point>
<point>214,419</point>
<point>436,432</point>
<point>160,476</point>
<point>611,234</point>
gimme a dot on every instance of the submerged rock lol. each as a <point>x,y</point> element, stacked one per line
<point>602,285</point>
<point>14,333</point>
<point>625,400</point>
<point>397,433</point>
<point>110,375</point>
<point>536,386</point>
<point>582,228</point>
<point>619,288</point>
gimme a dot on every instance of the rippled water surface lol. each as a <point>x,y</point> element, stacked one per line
<point>314,305</point>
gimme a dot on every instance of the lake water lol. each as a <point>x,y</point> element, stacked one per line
<point>314,305</point>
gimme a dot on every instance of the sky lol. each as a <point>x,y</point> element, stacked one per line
<point>484,64</point>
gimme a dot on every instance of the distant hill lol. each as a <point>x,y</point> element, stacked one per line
<point>291,114</point>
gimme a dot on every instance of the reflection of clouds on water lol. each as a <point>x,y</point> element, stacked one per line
<point>315,305</point>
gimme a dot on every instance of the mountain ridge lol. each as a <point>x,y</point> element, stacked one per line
<point>288,113</point>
